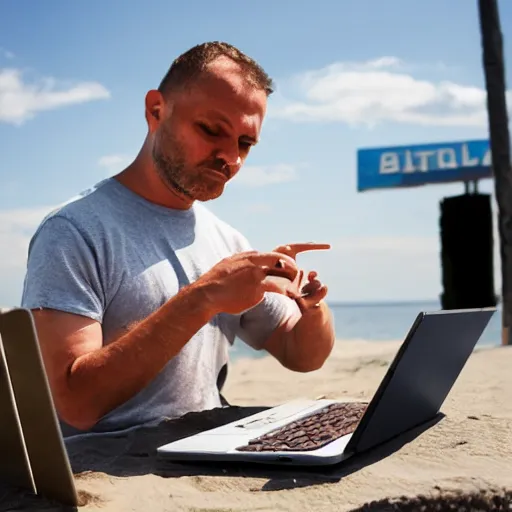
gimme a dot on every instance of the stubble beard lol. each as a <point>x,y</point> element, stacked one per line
<point>173,171</point>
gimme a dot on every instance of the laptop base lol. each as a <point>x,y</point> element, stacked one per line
<point>223,443</point>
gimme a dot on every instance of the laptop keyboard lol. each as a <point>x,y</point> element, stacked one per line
<point>311,432</point>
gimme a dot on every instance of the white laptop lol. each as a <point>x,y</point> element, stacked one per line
<point>324,432</point>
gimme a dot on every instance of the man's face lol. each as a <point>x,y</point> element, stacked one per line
<point>206,132</point>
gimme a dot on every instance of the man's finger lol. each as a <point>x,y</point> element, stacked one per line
<point>276,264</point>
<point>299,279</point>
<point>308,246</point>
<point>274,260</point>
<point>309,301</point>
<point>293,249</point>
<point>288,274</point>
<point>311,287</point>
<point>280,285</point>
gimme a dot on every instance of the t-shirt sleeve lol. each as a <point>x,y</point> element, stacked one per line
<point>62,271</point>
<point>258,323</point>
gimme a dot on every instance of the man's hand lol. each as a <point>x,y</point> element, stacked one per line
<point>239,282</point>
<point>313,291</point>
<point>306,346</point>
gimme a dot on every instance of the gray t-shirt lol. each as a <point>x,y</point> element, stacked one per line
<point>112,256</point>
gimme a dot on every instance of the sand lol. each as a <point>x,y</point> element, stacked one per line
<point>462,462</point>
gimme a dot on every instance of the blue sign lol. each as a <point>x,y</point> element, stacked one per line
<point>413,166</point>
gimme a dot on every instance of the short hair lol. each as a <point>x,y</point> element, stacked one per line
<point>193,62</point>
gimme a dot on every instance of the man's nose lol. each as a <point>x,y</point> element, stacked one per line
<point>231,155</point>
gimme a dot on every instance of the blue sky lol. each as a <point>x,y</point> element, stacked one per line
<point>73,76</point>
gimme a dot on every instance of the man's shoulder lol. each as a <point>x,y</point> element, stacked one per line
<point>84,202</point>
<point>80,209</point>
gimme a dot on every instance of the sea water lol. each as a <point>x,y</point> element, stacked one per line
<point>379,322</point>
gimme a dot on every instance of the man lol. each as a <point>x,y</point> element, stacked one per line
<point>138,290</point>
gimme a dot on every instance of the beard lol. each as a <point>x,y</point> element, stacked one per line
<point>171,165</point>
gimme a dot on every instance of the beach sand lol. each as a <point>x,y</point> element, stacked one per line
<point>462,462</point>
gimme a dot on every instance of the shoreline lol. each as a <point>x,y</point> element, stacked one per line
<point>240,354</point>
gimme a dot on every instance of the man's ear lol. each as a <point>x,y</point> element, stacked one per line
<point>154,105</point>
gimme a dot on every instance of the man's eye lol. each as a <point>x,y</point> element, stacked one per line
<point>206,129</point>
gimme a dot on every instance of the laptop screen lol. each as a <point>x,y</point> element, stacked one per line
<point>421,375</point>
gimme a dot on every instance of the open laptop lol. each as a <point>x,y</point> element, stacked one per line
<point>32,451</point>
<point>323,432</point>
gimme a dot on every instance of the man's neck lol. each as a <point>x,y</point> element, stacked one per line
<point>147,184</point>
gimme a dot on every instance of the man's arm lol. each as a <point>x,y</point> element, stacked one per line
<point>298,333</point>
<point>85,377</point>
<point>67,292</point>
<point>305,346</point>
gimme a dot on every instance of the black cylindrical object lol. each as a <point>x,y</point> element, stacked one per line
<point>467,252</point>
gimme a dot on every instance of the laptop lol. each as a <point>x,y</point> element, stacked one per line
<point>32,451</point>
<point>325,432</point>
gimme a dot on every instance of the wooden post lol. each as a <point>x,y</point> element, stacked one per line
<point>494,69</point>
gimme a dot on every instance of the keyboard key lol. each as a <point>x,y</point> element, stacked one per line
<point>312,431</point>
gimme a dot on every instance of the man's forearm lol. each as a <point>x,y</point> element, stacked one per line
<point>305,347</point>
<point>104,379</point>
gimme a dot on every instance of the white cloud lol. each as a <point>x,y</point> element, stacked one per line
<point>114,163</point>
<point>378,91</point>
<point>250,176</point>
<point>16,228</point>
<point>21,100</point>
<point>259,176</point>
